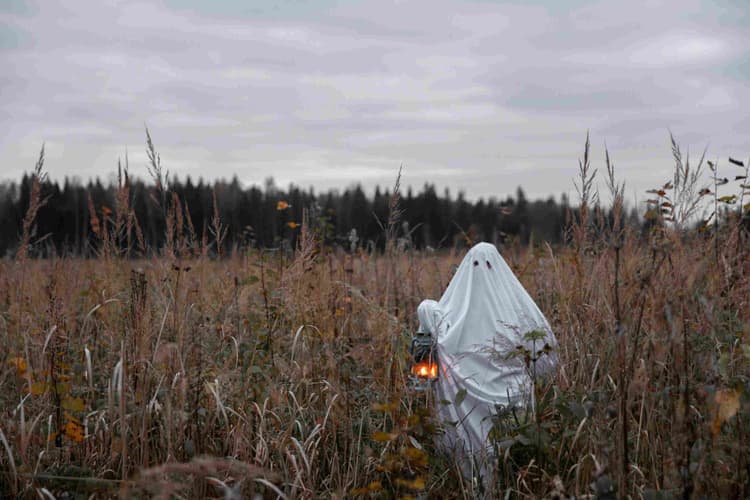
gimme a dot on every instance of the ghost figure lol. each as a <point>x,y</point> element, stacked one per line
<point>480,320</point>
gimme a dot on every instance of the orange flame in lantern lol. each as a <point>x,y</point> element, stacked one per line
<point>425,369</point>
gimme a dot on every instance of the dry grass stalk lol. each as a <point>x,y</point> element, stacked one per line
<point>36,202</point>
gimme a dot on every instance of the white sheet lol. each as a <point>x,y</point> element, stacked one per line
<point>481,318</point>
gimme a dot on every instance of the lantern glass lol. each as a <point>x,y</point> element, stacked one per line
<point>425,369</point>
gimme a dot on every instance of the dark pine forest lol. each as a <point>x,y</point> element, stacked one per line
<point>71,220</point>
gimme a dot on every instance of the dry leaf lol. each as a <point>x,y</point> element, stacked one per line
<point>20,365</point>
<point>374,486</point>
<point>727,405</point>
<point>382,437</point>
<point>415,484</point>
<point>38,388</point>
<point>416,457</point>
<point>73,431</point>
<point>384,406</point>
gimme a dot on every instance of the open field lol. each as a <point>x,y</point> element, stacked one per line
<point>275,370</point>
<point>284,373</point>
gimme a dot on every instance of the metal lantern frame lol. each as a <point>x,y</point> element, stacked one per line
<point>424,370</point>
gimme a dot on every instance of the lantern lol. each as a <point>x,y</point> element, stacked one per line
<point>424,368</point>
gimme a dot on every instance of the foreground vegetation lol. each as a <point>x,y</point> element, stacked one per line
<point>283,373</point>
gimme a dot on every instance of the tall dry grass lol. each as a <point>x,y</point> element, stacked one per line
<point>284,375</point>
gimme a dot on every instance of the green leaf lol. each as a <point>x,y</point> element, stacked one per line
<point>62,388</point>
<point>651,214</point>
<point>250,280</point>
<point>577,409</point>
<point>534,335</point>
<point>724,365</point>
<point>460,396</point>
<point>524,440</point>
<point>73,404</point>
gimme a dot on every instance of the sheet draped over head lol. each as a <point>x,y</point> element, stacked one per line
<point>480,320</point>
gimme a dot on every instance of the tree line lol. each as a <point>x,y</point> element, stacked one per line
<point>73,215</point>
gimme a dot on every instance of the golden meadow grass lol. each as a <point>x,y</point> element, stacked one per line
<point>284,374</point>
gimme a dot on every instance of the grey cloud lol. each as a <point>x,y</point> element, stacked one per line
<point>11,38</point>
<point>17,7</point>
<point>544,98</point>
<point>479,96</point>
<point>739,68</point>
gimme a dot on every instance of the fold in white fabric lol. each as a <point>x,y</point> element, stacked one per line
<point>479,322</point>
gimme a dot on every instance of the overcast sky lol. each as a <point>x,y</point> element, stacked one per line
<point>481,96</point>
